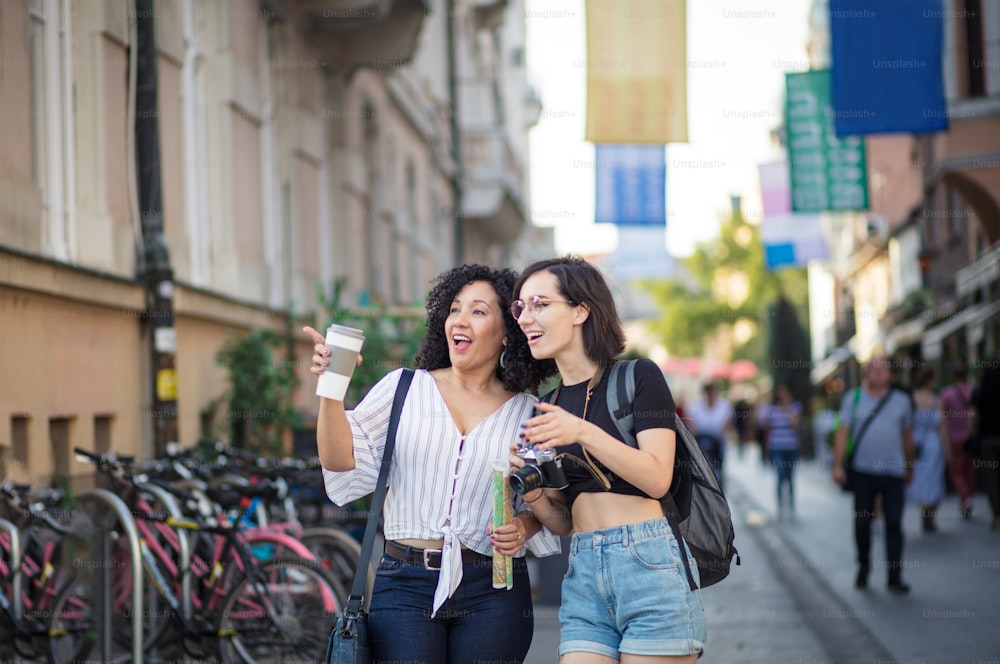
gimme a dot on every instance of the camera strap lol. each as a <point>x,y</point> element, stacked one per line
<point>591,466</point>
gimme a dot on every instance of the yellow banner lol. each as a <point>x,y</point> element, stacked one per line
<point>636,71</point>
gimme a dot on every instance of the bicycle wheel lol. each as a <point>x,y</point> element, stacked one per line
<point>338,552</point>
<point>72,630</point>
<point>281,616</point>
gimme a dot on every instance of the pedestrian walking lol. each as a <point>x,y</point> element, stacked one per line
<point>433,599</point>
<point>957,415</point>
<point>711,420</point>
<point>932,449</point>
<point>879,421</point>
<point>781,424</point>
<point>742,416</point>
<point>986,400</point>
<point>626,595</point>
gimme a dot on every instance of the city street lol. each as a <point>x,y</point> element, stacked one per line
<point>793,600</point>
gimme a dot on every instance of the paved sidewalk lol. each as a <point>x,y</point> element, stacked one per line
<point>952,613</point>
<point>792,599</point>
<point>744,614</point>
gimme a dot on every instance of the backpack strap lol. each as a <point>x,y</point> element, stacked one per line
<point>621,398</point>
<point>621,394</point>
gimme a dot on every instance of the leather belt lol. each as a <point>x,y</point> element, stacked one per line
<point>429,559</point>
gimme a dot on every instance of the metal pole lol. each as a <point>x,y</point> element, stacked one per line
<point>121,510</point>
<point>156,270</point>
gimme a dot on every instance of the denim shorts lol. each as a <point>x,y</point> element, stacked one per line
<point>626,591</point>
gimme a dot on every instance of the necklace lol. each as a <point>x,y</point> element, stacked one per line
<point>594,470</point>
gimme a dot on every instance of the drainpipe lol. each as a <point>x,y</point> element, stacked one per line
<point>456,136</point>
<point>156,271</point>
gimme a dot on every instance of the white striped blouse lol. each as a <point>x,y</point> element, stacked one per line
<point>440,482</point>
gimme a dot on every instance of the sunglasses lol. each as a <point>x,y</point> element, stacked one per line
<point>535,305</point>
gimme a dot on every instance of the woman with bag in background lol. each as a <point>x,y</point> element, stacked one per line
<point>625,596</point>
<point>932,450</point>
<point>433,600</point>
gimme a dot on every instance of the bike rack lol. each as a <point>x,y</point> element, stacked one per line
<point>183,547</point>
<point>15,565</point>
<point>121,510</point>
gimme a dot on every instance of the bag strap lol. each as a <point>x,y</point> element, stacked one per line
<point>621,394</point>
<point>621,397</point>
<point>871,415</point>
<point>355,600</point>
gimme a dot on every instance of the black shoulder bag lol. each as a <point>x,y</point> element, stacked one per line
<point>349,637</point>
<point>849,473</point>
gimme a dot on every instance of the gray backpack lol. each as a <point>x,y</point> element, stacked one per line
<point>695,506</point>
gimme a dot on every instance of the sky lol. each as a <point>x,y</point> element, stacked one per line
<point>738,53</point>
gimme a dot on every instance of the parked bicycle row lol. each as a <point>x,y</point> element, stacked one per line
<point>194,555</point>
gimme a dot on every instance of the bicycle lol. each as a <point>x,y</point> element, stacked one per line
<point>244,610</point>
<point>43,609</point>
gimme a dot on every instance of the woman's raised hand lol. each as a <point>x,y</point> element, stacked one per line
<point>320,351</point>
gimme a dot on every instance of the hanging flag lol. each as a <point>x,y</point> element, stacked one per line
<point>631,186</point>
<point>827,173</point>
<point>789,239</point>
<point>636,71</point>
<point>887,66</point>
<point>641,254</point>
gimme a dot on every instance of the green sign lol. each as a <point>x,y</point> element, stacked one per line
<point>826,173</point>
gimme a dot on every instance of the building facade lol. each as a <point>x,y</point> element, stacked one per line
<point>302,142</point>
<point>916,276</point>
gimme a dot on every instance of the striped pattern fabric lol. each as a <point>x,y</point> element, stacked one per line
<point>433,466</point>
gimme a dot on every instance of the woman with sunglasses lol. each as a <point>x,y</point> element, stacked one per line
<point>433,600</point>
<point>625,596</point>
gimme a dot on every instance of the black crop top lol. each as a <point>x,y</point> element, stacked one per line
<point>653,409</point>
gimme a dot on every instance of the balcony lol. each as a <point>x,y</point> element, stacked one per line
<point>493,193</point>
<point>980,273</point>
<point>381,34</point>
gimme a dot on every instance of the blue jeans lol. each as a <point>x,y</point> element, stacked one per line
<point>626,591</point>
<point>784,463</point>
<point>477,624</point>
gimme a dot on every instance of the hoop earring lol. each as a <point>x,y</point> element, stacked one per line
<point>503,359</point>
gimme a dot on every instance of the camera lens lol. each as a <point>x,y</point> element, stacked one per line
<point>525,479</point>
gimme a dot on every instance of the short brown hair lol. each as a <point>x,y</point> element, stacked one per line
<point>582,283</point>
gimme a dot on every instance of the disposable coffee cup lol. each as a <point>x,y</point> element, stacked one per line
<point>345,345</point>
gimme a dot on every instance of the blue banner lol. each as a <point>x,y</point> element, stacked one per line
<point>887,66</point>
<point>631,187</point>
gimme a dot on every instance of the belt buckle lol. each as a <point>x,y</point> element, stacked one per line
<point>427,562</point>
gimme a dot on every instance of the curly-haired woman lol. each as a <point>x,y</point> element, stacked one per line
<point>433,599</point>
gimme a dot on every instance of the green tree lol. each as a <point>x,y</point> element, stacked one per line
<point>257,406</point>
<point>726,282</point>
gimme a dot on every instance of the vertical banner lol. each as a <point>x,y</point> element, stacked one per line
<point>631,185</point>
<point>887,66</point>
<point>789,239</point>
<point>636,71</point>
<point>827,173</point>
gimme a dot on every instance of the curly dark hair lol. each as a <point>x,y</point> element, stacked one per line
<point>523,373</point>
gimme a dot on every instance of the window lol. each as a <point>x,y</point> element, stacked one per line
<point>102,434</point>
<point>36,49</point>
<point>975,59</point>
<point>19,438</point>
<point>59,434</point>
<point>416,233</point>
